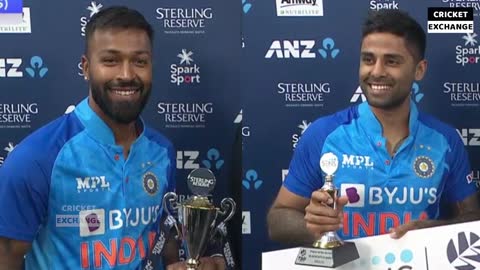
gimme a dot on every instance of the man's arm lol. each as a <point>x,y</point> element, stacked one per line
<point>12,253</point>
<point>296,220</point>
<point>463,211</point>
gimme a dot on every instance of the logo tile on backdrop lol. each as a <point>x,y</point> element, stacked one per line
<point>383,4</point>
<point>185,114</point>
<point>468,52</point>
<point>299,8</point>
<point>7,149</point>
<point>470,136</point>
<point>251,180</point>
<point>300,94</point>
<point>246,223</point>
<point>462,94</point>
<point>191,159</point>
<point>302,128</point>
<point>17,115</point>
<point>93,8</point>
<point>24,27</point>
<point>186,72</point>
<point>184,21</point>
<point>11,67</point>
<point>303,49</point>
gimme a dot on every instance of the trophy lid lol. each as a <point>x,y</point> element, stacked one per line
<point>329,163</point>
<point>201,182</point>
<point>199,202</point>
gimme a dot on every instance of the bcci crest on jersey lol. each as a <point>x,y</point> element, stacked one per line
<point>423,167</point>
<point>150,183</point>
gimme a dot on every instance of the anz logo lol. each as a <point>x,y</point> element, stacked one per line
<point>470,136</point>
<point>190,160</point>
<point>11,68</point>
<point>302,49</point>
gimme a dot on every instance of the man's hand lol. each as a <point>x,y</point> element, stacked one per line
<point>321,218</point>
<point>206,263</point>
<point>401,230</point>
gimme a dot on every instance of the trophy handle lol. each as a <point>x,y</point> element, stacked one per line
<point>225,205</point>
<point>169,199</point>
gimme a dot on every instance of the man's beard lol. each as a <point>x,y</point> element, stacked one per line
<point>123,112</point>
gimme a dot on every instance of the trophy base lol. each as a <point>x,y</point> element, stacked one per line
<point>331,257</point>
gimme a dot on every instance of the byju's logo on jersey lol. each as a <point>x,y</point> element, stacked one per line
<point>357,162</point>
<point>92,222</point>
<point>9,148</point>
<point>12,68</point>
<point>462,251</point>
<point>470,136</point>
<point>185,72</point>
<point>383,4</point>
<point>296,136</point>
<point>93,9</point>
<point>302,8</point>
<point>92,184</point>
<point>355,194</point>
<point>305,49</point>
<point>177,20</point>
<point>469,52</point>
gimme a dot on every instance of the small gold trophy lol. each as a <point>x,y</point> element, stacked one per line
<point>198,217</point>
<point>330,250</point>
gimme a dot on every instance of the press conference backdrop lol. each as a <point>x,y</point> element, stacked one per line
<point>195,97</point>
<point>296,62</point>
<point>297,68</point>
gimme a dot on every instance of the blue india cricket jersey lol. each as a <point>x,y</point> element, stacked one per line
<point>430,168</point>
<point>69,189</point>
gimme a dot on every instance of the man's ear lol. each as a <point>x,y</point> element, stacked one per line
<point>85,67</point>
<point>420,70</point>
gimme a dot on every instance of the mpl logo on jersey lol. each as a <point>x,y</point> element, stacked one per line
<point>296,94</point>
<point>469,52</point>
<point>92,184</point>
<point>463,94</point>
<point>357,162</point>
<point>301,8</point>
<point>178,20</point>
<point>24,27</point>
<point>13,67</point>
<point>190,160</point>
<point>246,223</point>
<point>17,115</point>
<point>9,148</point>
<point>296,136</point>
<point>185,73</point>
<point>185,115</point>
<point>303,49</point>
<point>383,4</point>
<point>470,136</point>
<point>92,9</point>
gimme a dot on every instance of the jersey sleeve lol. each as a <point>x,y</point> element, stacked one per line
<point>304,175</point>
<point>23,195</point>
<point>459,183</point>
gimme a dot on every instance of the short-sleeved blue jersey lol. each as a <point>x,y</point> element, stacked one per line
<point>430,167</point>
<point>68,189</point>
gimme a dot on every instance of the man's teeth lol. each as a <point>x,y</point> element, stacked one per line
<point>380,86</point>
<point>124,93</point>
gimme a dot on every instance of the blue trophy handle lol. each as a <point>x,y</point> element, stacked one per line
<point>169,200</point>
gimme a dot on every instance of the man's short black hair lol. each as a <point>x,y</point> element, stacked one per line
<point>399,23</point>
<point>117,17</point>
